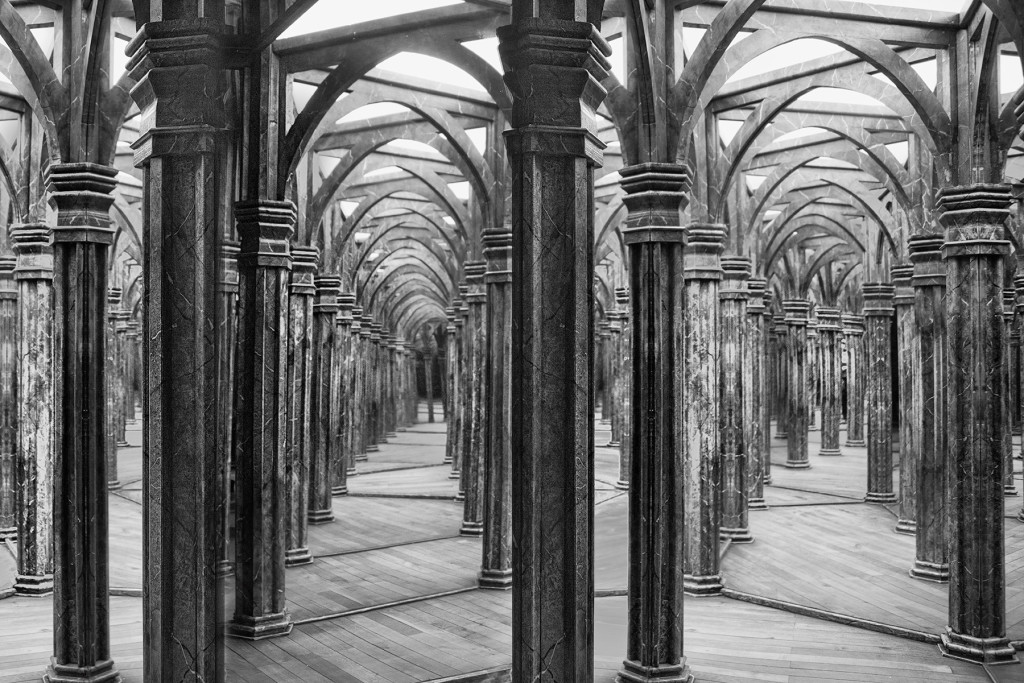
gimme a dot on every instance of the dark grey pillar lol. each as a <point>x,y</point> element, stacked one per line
<point>733,363</point>
<point>878,312</point>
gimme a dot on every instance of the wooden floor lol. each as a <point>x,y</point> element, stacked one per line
<point>391,595</point>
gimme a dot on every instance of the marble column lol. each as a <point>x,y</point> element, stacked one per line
<point>878,313</point>
<point>342,452</point>
<point>496,569</point>
<point>476,388</point>
<point>797,399</point>
<point>830,332</point>
<point>81,239</point>
<point>614,346</point>
<point>908,362</point>
<point>768,385</point>
<point>702,272</point>
<point>324,407</point>
<point>8,399</point>
<point>466,381</point>
<point>624,380</point>
<point>781,376</point>
<point>1015,387</point>
<point>1009,487</point>
<point>35,412</point>
<point>853,332</point>
<point>974,218</point>
<point>123,353</point>
<point>454,350</point>
<point>602,339</point>
<point>554,68</point>
<point>180,90</point>
<point>655,239</point>
<point>298,370</point>
<point>756,417</point>
<point>813,358</point>
<point>451,372</point>
<point>733,364</point>
<point>931,561</point>
<point>428,379</point>
<point>364,390</point>
<point>261,414</point>
<point>227,300</point>
<point>112,386</point>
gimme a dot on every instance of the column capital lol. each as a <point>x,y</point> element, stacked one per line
<point>878,299</point>
<point>346,304</point>
<point>81,194</point>
<point>853,324</point>
<point>357,318</point>
<point>113,299</point>
<point>31,243</point>
<point>975,217</point>
<point>735,272</point>
<point>8,285</point>
<point>756,290</point>
<point>498,252</point>
<point>229,251</point>
<point>265,226</point>
<point>304,264</point>
<point>475,272</point>
<point>1009,300</point>
<point>703,251</point>
<point>375,332</point>
<point>654,194</point>
<point>902,279</point>
<point>926,257</point>
<point>328,290</point>
<point>796,311</point>
<point>829,319</point>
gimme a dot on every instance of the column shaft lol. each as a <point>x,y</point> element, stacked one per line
<point>1009,487</point>
<point>476,388</point>
<point>829,339</point>
<point>797,394</point>
<point>9,362</point>
<point>853,331</point>
<point>755,406</point>
<point>324,407</point>
<point>624,388</point>
<point>908,366</point>
<point>878,313</point>
<point>733,364</point>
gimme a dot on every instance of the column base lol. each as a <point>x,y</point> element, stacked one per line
<point>735,535</point>
<point>32,586</point>
<point>296,557</point>
<point>1009,490</point>
<point>446,461</point>
<point>977,650</point>
<point>100,672</point>
<point>930,571</point>
<point>390,435</point>
<point>455,474</point>
<point>350,472</point>
<point>856,443</point>
<point>906,526</point>
<point>622,485</point>
<point>225,568</point>
<point>496,579</point>
<point>9,533</point>
<point>797,464</point>
<point>320,516</point>
<point>369,449</point>
<point>830,452</point>
<point>6,593</point>
<point>472,529</point>
<point>757,504</point>
<point>767,480</point>
<point>401,429</point>
<point>362,457</point>
<point>258,628</point>
<point>113,485</point>
<point>880,498</point>
<point>460,496</point>
<point>702,586</point>
<point>635,672</point>
<point>1020,515</point>
<point>781,435</point>
<point>123,444</point>
<point>339,490</point>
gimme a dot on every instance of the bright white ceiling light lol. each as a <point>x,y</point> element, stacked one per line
<point>361,237</point>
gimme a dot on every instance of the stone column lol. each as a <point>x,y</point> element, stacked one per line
<point>624,379</point>
<point>908,362</point>
<point>554,68</point>
<point>655,242</point>
<point>768,384</point>
<point>265,227</point>
<point>702,272</point>
<point>428,379</point>
<point>451,372</point>
<point>35,413</point>
<point>112,385</point>
<point>813,358</point>
<point>389,384</point>
<point>496,570</point>
<point>829,339</point>
<point>364,391</point>
<point>755,408</point>
<point>781,376</point>
<point>734,362</point>
<point>476,388</point>
<point>9,361</point>
<point>614,349</point>
<point>796,385</point>
<point>180,89</point>
<point>298,370</point>
<point>931,561</point>
<point>123,354</point>
<point>878,312</point>
<point>375,387</point>
<point>853,331</point>
<point>1009,487</point>
<point>974,218</point>
<point>324,407</point>
<point>465,393</point>
<point>454,330</point>
<point>342,455</point>
<point>227,335</point>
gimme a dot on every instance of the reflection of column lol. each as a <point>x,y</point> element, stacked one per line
<point>476,372</point>
<point>324,408</point>
<point>34,471</point>
<point>974,218</point>
<point>829,338</point>
<point>908,366</point>
<point>733,364</point>
<point>624,381</point>
<point>496,571</point>
<point>755,407</point>
<point>702,272</point>
<point>1009,488</point>
<point>853,332</point>
<point>931,562</point>
<point>878,313</point>
<point>8,398</point>
<point>796,383</point>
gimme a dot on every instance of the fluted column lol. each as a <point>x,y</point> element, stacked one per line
<point>974,218</point>
<point>1009,487</point>
<point>265,227</point>
<point>112,386</point>
<point>734,363</point>
<point>496,569</point>
<point>908,362</point>
<point>878,312</point>
<point>797,399</point>
<point>35,412</point>
<point>781,375</point>
<point>343,400</point>
<point>624,381</point>
<point>227,335</point>
<point>553,69</point>
<point>931,561</point>
<point>702,272</point>
<point>655,240</point>
<point>8,400</point>
<point>853,331</point>
<point>755,406</point>
<point>829,339</point>
<point>476,387</point>
<point>324,407</point>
